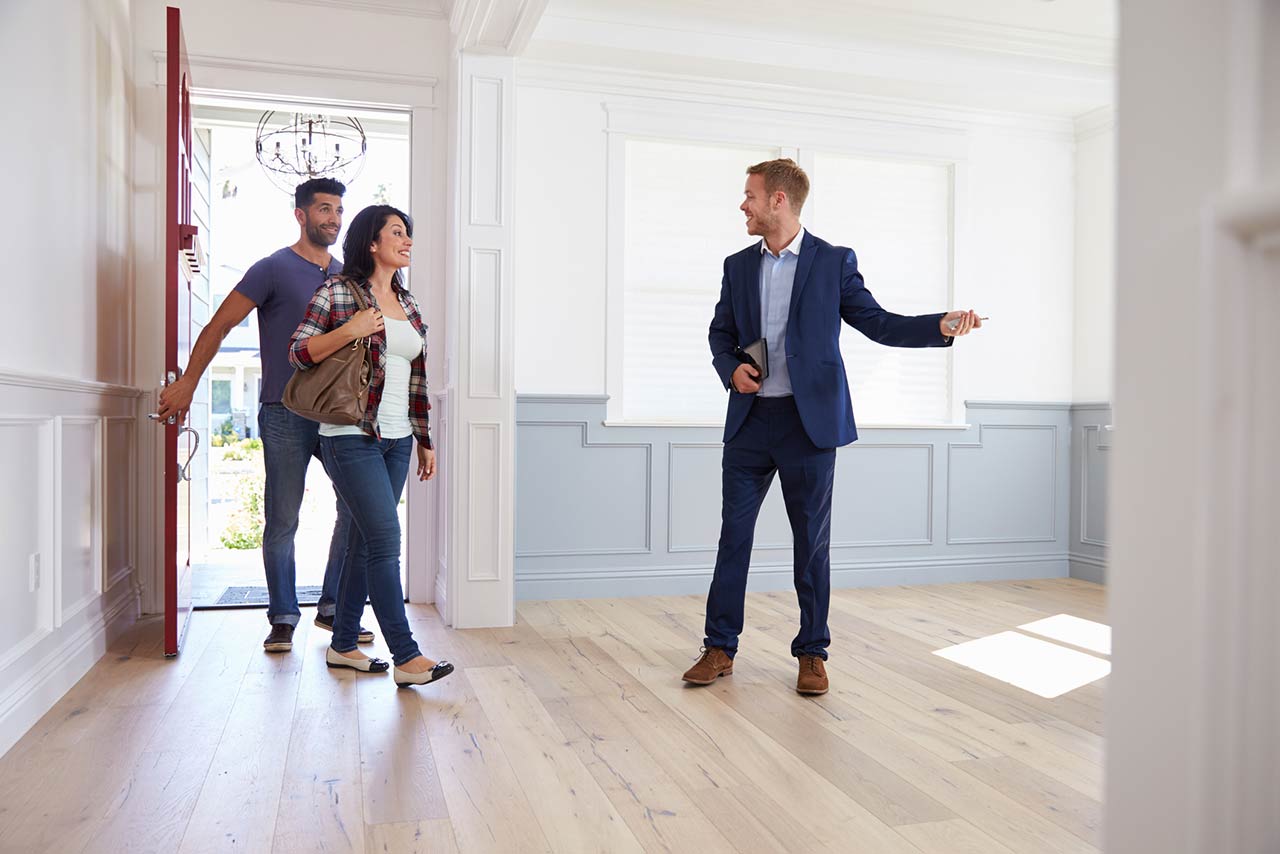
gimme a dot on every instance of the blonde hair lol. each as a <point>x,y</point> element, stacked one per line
<point>785,175</point>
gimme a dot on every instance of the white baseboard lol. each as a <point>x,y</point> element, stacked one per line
<point>37,687</point>
<point>442,592</point>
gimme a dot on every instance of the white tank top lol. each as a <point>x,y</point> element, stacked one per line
<point>404,344</point>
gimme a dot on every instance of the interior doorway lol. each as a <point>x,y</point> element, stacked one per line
<point>245,213</point>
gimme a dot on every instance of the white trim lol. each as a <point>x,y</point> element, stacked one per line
<point>674,89</point>
<point>902,27</point>
<point>1095,123</point>
<point>61,611</point>
<point>1020,405</point>
<point>42,683</point>
<point>53,382</point>
<point>131,563</point>
<point>410,8</point>
<point>46,427</point>
<point>295,69</point>
<point>526,23</point>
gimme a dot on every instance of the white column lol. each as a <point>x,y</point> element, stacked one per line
<point>479,445</point>
<point>1194,699</point>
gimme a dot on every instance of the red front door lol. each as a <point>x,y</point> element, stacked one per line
<point>180,256</point>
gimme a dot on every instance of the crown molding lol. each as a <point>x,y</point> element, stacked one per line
<point>696,92</point>
<point>872,23</point>
<point>430,9</point>
<point>1095,123</point>
<point>495,26</point>
<point>418,81</point>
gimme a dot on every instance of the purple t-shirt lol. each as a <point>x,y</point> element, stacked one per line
<point>281,286</point>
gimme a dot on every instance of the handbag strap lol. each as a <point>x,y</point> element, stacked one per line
<point>358,293</point>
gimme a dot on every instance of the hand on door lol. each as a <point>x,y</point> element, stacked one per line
<point>175,399</point>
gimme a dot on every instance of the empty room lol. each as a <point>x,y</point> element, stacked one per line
<point>610,426</point>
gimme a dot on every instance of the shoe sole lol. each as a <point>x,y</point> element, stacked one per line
<point>810,692</point>
<point>359,638</point>
<point>431,681</point>
<point>278,647</point>
<point>728,672</point>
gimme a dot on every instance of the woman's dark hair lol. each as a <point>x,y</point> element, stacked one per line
<point>362,232</point>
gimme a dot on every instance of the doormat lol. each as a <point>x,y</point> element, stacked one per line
<point>258,596</point>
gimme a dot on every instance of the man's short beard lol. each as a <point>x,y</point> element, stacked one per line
<point>319,237</point>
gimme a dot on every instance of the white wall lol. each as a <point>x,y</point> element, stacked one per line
<point>67,146</point>
<point>68,411</point>
<point>1014,258</point>
<point>1095,278</point>
<point>560,255</point>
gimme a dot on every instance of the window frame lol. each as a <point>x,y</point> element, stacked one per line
<point>800,136</point>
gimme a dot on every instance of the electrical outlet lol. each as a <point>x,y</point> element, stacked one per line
<point>33,571</point>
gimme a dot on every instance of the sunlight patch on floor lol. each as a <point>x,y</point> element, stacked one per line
<point>1034,665</point>
<point>1076,631</point>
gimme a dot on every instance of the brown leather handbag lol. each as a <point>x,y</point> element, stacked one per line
<point>336,390</point>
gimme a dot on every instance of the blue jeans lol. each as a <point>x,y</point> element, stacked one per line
<point>773,440</point>
<point>369,474</point>
<point>289,442</point>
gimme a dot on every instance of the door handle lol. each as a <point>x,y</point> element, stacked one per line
<point>169,377</point>
<point>184,470</point>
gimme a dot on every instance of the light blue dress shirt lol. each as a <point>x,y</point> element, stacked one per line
<point>777,277</point>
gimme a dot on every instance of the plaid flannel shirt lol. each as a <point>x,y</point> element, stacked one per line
<point>333,304</point>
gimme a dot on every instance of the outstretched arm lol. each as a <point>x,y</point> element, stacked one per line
<point>175,398</point>
<point>860,310</point>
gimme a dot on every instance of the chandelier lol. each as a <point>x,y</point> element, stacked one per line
<point>296,147</point>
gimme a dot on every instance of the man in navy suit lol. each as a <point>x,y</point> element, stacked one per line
<point>792,289</point>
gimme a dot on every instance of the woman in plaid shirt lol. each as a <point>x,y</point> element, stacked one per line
<point>369,462</point>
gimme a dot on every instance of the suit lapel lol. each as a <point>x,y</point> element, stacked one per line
<point>808,249</point>
<point>752,282</point>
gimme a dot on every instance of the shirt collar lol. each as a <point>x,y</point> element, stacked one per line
<point>793,247</point>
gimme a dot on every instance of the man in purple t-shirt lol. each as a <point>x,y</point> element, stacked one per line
<point>280,287</point>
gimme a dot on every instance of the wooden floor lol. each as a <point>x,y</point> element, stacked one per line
<point>572,732</point>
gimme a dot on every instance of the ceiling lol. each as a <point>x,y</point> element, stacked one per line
<point>1052,57</point>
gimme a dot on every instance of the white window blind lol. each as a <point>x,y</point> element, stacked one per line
<point>681,221</point>
<point>897,217</point>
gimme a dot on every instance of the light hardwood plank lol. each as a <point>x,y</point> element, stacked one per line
<point>574,813</point>
<point>956,836</point>
<point>431,836</point>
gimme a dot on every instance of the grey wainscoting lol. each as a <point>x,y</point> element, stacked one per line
<point>624,510</point>
<point>1090,461</point>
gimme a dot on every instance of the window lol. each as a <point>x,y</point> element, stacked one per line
<point>220,396</point>
<point>680,222</point>
<point>897,217</point>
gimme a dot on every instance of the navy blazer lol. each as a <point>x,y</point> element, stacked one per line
<point>828,288</point>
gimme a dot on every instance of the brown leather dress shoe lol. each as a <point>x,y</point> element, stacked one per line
<point>813,675</point>
<point>714,663</point>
